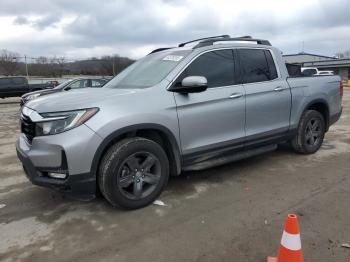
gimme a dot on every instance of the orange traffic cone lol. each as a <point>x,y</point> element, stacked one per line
<point>290,248</point>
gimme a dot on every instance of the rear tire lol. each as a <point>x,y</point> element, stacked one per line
<point>133,173</point>
<point>310,134</point>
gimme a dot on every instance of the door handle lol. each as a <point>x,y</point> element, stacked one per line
<point>236,95</point>
<point>279,88</point>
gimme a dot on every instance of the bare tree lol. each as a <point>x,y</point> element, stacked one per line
<point>113,65</point>
<point>45,66</point>
<point>107,64</point>
<point>42,60</point>
<point>61,61</point>
<point>57,66</point>
<point>345,54</point>
<point>41,66</point>
<point>9,62</point>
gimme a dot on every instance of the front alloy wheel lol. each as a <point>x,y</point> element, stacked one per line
<point>139,175</point>
<point>133,172</point>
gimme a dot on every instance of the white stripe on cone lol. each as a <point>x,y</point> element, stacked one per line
<point>291,241</point>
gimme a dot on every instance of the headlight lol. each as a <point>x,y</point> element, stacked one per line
<point>31,97</point>
<point>55,123</point>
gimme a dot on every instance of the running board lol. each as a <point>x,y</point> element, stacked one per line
<point>229,158</point>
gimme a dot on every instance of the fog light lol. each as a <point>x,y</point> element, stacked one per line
<point>57,175</point>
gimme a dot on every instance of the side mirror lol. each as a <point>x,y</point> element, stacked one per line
<point>191,84</point>
<point>67,88</point>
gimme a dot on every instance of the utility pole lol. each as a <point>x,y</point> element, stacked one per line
<point>25,61</point>
<point>113,66</point>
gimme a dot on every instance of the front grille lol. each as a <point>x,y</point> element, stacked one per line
<point>22,102</point>
<point>27,127</point>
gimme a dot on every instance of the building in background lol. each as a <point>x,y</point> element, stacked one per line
<point>305,57</point>
<point>340,67</point>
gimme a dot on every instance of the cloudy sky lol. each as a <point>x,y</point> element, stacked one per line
<point>86,28</point>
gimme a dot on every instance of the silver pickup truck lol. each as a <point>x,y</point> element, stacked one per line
<point>202,104</point>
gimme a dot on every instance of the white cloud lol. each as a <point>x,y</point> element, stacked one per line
<point>92,28</point>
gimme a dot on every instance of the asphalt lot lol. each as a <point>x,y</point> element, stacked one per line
<point>231,213</point>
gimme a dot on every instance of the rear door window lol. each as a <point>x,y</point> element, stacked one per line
<point>216,66</point>
<point>257,65</point>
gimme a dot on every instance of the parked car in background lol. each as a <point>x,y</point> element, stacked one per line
<point>16,86</point>
<point>313,71</point>
<point>325,73</point>
<point>53,82</point>
<point>185,108</point>
<point>66,86</point>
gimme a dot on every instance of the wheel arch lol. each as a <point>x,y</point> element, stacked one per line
<point>321,106</point>
<point>155,132</point>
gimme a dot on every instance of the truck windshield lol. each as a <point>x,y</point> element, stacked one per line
<point>148,71</point>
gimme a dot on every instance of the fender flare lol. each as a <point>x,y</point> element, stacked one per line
<point>106,142</point>
<point>317,101</point>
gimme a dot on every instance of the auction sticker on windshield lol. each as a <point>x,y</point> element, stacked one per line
<point>175,58</point>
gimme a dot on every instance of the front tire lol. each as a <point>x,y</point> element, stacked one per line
<point>133,173</point>
<point>310,134</point>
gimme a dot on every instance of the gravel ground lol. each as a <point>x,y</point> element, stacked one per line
<point>230,213</point>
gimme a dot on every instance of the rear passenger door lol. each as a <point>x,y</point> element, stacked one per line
<point>268,97</point>
<point>211,121</point>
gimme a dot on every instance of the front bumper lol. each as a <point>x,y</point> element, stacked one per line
<point>79,186</point>
<point>70,153</point>
<point>23,101</point>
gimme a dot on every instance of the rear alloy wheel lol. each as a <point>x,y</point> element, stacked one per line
<point>310,134</point>
<point>133,173</point>
<point>313,132</point>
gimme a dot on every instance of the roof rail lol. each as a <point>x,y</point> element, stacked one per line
<point>160,49</point>
<point>205,38</point>
<point>207,42</point>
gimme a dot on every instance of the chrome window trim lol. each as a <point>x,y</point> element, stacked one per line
<point>229,48</point>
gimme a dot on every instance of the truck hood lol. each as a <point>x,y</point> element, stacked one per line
<point>42,92</point>
<point>78,99</point>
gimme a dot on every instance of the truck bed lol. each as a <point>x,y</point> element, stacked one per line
<point>324,89</point>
